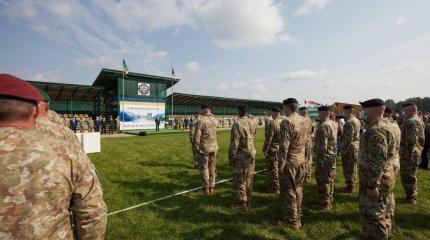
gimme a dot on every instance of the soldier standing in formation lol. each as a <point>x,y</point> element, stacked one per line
<point>241,157</point>
<point>271,149</point>
<point>38,203</point>
<point>308,147</point>
<point>206,147</point>
<point>411,146</point>
<point>325,159</point>
<point>292,152</point>
<point>388,113</point>
<point>376,170</point>
<point>191,137</point>
<point>349,148</point>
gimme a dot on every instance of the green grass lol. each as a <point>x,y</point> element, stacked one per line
<point>139,169</point>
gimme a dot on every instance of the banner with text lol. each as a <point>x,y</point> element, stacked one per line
<point>141,115</point>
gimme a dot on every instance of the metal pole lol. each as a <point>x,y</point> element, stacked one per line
<point>172,97</point>
<point>123,106</point>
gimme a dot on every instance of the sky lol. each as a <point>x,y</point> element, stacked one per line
<point>320,50</point>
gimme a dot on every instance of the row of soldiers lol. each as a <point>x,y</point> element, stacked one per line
<point>102,124</point>
<point>225,121</point>
<point>49,189</point>
<point>373,153</point>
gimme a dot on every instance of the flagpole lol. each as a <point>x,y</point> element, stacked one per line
<point>123,106</point>
<point>172,90</point>
<point>123,103</point>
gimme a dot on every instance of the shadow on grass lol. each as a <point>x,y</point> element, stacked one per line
<point>412,221</point>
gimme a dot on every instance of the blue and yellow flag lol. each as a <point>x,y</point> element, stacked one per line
<point>124,65</point>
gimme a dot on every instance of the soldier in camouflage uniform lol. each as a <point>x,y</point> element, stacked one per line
<point>376,172</point>
<point>43,180</point>
<point>388,115</point>
<point>308,148</point>
<point>292,151</point>
<point>191,137</point>
<point>206,147</point>
<point>271,149</point>
<point>349,148</point>
<point>411,146</point>
<point>325,159</point>
<point>48,121</point>
<point>241,157</point>
<point>396,159</point>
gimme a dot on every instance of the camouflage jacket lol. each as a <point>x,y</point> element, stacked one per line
<point>377,155</point>
<point>192,129</point>
<point>351,134</point>
<point>205,134</point>
<point>326,139</point>
<point>271,140</point>
<point>49,125</point>
<point>397,138</point>
<point>43,182</point>
<point>242,140</point>
<point>293,140</point>
<point>412,139</point>
<point>309,131</point>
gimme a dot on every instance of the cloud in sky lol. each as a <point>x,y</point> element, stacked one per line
<point>310,5</point>
<point>253,89</point>
<point>246,36</point>
<point>148,15</point>
<point>193,66</point>
<point>240,23</point>
<point>48,76</point>
<point>305,74</point>
<point>400,20</point>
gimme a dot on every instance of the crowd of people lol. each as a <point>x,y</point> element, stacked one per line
<point>105,124</point>
<point>49,189</point>
<point>185,122</point>
<point>373,148</point>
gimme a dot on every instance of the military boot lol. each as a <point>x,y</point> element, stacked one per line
<point>242,205</point>
<point>326,207</point>
<point>292,225</point>
<point>347,189</point>
<point>408,200</point>
<point>206,191</point>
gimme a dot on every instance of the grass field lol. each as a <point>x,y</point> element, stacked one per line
<point>138,169</point>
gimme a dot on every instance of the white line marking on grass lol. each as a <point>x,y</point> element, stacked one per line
<point>173,195</point>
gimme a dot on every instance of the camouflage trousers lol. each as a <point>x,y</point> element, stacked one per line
<point>195,160</point>
<point>408,175</point>
<point>376,215</point>
<point>243,177</point>
<point>325,174</point>
<point>275,166</point>
<point>308,162</point>
<point>207,168</point>
<point>349,165</point>
<point>292,192</point>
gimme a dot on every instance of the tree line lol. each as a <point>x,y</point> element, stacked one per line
<point>422,103</point>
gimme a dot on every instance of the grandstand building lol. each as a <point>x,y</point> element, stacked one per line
<point>138,99</point>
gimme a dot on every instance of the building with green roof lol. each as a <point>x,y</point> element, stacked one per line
<point>138,99</point>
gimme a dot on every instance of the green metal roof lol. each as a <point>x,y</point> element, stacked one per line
<point>107,77</point>
<point>66,91</point>
<point>192,99</point>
